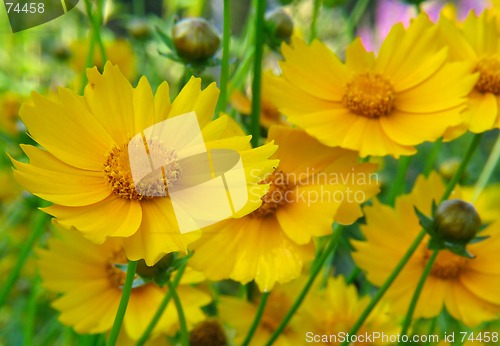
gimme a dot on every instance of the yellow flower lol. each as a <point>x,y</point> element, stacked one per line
<point>333,310</point>
<point>84,168</point>
<point>312,186</point>
<point>383,105</point>
<point>118,52</point>
<point>90,285</point>
<point>269,114</point>
<point>477,42</point>
<point>239,314</point>
<point>9,110</point>
<point>488,202</point>
<point>468,288</point>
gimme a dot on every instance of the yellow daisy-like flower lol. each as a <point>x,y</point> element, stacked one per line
<point>90,283</point>
<point>238,314</point>
<point>477,42</point>
<point>468,288</point>
<point>84,166</point>
<point>332,311</point>
<point>312,186</point>
<point>383,105</point>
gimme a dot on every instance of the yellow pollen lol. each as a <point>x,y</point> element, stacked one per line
<point>115,275</point>
<point>489,75</point>
<point>154,184</point>
<point>447,265</point>
<point>370,95</point>
<point>279,194</point>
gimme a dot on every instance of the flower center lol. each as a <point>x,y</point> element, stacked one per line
<point>370,95</point>
<point>154,182</point>
<point>115,275</point>
<point>489,75</point>
<point>280,193</point>
<point>447,265</point>
<point>208,333</point>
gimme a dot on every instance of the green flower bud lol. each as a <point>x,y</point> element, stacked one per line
<point>139,29</point>
<point>279,27</point>
<point>456,221</point>
<point>195,39</point>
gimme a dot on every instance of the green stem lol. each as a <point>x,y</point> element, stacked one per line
<point>238,78</point>
<point>313,32</point>
<point>257,72</point>
<point>385,286</point>
<point>488,169</point>
<point>39,225</point>
<point>161,308</point>
<point>388,282</point>
<point>224,69</point>
<point>122,307</point>
<point>416,293</point>
<point>180,314</point>
<point>317,266</point>
<point>258,317</point>
<point>399,183</point>
<point>463,165</point>
<point>431,330</point>
<point>138,7</point>
<point>29,326</point>
<point>354,18</point>
<point>432,157</point>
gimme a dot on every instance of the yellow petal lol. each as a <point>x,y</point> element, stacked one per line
<point>158,233</point>
<point>57,182</point>
<point>481,113</point>
<point>162,102</point>
<point>114,216</point>
<point>144,106</point>
<point>67,130</point>
<point>110,99</point>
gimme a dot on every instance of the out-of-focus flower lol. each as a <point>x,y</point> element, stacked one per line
<point>488,202</point>
<point>87,276</point>
<point>391,12</point>
<point>85,169</point>
<point>382,105</point>
<point>477,42</point>
<point>239,314</point>
<point>207,333</point>
<point>312,186</point>
<point>118,52</point>
<point>333,310</point>
<point>269,114</point>
<point>9,112</point>
<point>468,288</point>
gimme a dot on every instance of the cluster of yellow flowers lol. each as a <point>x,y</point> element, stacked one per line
<point>427,82</point>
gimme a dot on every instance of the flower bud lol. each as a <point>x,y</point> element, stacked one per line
<point>139,29</point>
<point>457,221</point>
<point>195,39</point>
<point>279,27</point>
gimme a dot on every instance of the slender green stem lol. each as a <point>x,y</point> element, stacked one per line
<point>257,72</point>
<point>39,225</point>
<point>354,18</point>
<point>399,183</point>
<point>29,324</point>
<point>488,169</point>
<point>416,293</point>
<point>163,305</point>
<point>122,307</point>
<point>96,23</point>
<point>385,286</point>
<point>431,330</point>
<point>314,19</point>
<point>138,6</point>
<point>224,69</point>
<point>180,314</point>
<point>257,318</point>
<point>317,266</point>
<point>354,274</point>
<point>432,157</point>
<point>238,78</point>
<point>463,165</point>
